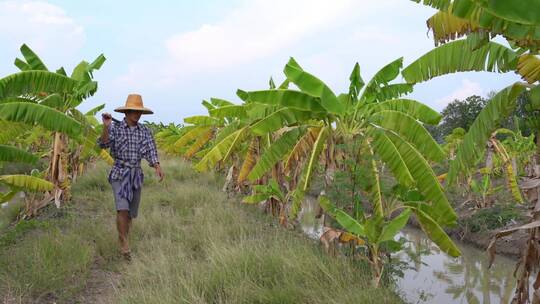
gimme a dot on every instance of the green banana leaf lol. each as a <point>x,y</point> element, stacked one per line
<point>435,233</point>
<point>95,110</point>
<point>386,74</point>
<point>281,118</point>
<point>13,154</point>
<point>456,56</point>
<point>427,183</point>
<point>201,120</point>
<point>410,130</point>
<point>46,117</point>
<point>410,107</point>
<point>474,142</point>
<point>277,150</point>
<point>391,228</point>
<point>26,182</point>
<point>313,86</point>
<point>221,150</point>
<point>34,82</point>
<point>390,155</point>
<point>32,59</point>
<point>287,98</point>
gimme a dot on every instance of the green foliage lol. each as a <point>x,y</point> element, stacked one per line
<point>473,146</point>
<point>48,268</point>
<point>489,219</point>
<point>459,114</point>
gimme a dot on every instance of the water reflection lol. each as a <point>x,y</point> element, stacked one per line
<point>434,277</point>
<point>438,278</point>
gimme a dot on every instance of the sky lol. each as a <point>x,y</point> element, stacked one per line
<point>177,53</point>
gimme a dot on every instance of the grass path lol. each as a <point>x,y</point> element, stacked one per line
<point>190,245</point>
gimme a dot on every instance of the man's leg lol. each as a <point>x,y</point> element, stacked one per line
<point>122,223</point>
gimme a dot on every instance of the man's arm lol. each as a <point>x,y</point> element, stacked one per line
<point>151,155</point>
<point>104,141</point>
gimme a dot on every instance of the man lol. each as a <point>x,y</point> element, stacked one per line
<point>129,142</point>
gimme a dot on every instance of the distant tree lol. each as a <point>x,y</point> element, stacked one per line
<point>458,114</point>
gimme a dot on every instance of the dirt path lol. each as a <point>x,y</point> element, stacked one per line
<point>100,286</point>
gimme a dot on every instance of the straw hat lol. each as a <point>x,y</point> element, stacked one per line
<point>134,103</point>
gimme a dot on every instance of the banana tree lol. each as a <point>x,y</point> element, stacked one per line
<point>300,128</point>
<point>480,21</point>
<point>16,183</point>
<point>50,101</point>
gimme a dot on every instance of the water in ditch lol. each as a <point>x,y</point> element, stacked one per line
<point>431,276</point>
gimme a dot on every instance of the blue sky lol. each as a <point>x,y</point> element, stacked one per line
<point>176,53</point>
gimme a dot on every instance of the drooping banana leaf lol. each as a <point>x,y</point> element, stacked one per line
<point>515,10</point>
<point>279,119</point>
<point>202,140</point>
<point>46,117</point>
<point>389,154</point>
<point>314,157</point>
<point>34,82</point>
<point>277,150</point>
<point>302,148</point>
<point>435,233</point>
<point>26,182</point>
<point>307,172</point>
<point>221,150</point>
<point>426,180</point>
<point>191,135</point>
<point>411,130</point>
<point>474,142</point>
<point>447,27</point>
<point>13,154</point>
<point>456,57</point>
<point>410,107</point>
<point>249,160</point>
<point>529,67</point>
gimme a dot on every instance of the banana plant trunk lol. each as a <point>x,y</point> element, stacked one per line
<point>58,173</point>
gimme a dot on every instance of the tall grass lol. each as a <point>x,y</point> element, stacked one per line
<point>190,244</point>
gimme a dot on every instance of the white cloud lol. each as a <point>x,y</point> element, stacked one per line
<point>252,32</point>
<point>255,30</point>
<point>466,89</point>
<point>41,25</point>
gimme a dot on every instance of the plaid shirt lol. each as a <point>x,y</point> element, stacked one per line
<point>129,145</point>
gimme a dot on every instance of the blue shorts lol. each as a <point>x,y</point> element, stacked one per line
<point>122,203</point>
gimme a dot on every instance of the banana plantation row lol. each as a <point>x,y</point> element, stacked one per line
<point>280,141</point>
